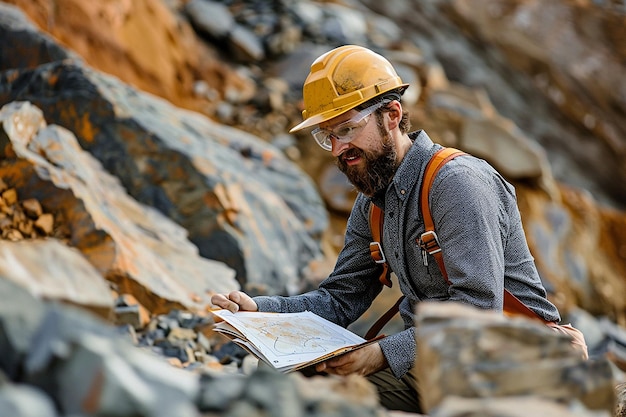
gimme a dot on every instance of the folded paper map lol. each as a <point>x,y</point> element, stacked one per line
<point>287,341</point>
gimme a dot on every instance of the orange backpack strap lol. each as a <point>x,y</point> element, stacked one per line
<point>384,319</point>
<point>429,242</point>
<point>514,306</point>
<point>376,248</point>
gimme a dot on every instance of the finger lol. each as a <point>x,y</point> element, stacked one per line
<point>234,301</point>
<point>335,371</point>
<point>222,301</point>
<point>232,307</point>
<point>339,361</point>
<point>234,296</point>
<point>244,301</point>
<point>219,300</point>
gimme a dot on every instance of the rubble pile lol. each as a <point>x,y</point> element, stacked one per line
<point>166,207</point>
<point>26,219</point>
<point>185,339</point>
<point>58,361</point>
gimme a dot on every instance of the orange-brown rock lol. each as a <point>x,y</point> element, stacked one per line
<point>578,246</point>
<point>128,310</point>
<point>169,60</point>
<point>49,269</point>
<point>241,201</point>
<point>32,208</point>
<point>22,219</point>
<point>44,223</point>
<point>135,247</point>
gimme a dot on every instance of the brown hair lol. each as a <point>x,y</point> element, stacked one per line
<point>388,97</point>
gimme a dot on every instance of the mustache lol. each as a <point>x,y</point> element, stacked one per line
<point>351,153</point>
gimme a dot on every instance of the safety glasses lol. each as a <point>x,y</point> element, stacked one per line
<point>344,132</point>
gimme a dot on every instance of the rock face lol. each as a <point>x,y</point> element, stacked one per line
<point>36,266</point>
<point>167,63</point>
<point>227,188</point>
<point>574,55</point>
<point>131,245</point>
<point>145,164</point>
<point>578,248</point>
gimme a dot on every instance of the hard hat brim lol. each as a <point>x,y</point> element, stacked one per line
<point>318,118</point>
<point>331,114</point>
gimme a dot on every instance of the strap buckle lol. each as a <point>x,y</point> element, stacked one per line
<point>376,250</point>
<point>429,244</point>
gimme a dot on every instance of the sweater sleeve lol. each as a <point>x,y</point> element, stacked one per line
<point>352,286</point>
<point>400,351</point>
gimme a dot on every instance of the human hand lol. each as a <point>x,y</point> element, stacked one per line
<point>234,301</point>
<point>364,361</point>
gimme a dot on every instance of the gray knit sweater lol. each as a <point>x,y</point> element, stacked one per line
<point>480,231</point>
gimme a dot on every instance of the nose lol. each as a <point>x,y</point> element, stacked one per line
<point>338,146</point>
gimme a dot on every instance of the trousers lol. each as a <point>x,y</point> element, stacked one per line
<point>397,394</point>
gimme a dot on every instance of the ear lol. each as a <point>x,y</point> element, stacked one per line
<point>394,111</point>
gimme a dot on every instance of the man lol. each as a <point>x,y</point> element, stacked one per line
<point>352,97</point>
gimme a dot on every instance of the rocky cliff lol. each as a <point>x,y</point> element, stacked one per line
<point>144,151</point>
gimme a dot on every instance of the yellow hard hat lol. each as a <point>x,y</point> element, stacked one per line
<point>342,79</point>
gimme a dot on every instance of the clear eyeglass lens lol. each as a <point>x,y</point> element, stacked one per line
<point>345,131</point>
<point>322,137</point>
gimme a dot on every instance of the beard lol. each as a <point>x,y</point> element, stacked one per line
<point>376,171</point>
